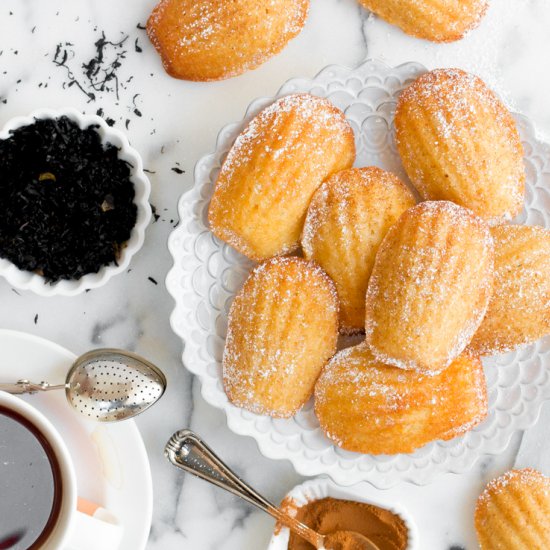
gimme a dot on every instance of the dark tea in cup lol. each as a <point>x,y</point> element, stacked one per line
<point>30,483</point>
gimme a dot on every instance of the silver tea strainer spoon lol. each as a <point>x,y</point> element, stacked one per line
<point>188,451</point>
<point>105,385</point>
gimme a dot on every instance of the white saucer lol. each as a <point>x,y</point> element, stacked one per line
<point>111,463</point>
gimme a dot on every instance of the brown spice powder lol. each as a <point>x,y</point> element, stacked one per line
<point>328,515</point>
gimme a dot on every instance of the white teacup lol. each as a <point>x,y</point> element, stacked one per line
<point>72,530</point>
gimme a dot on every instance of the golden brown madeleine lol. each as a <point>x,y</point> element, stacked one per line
<point>283,327</point>
<point>346,221</point>
<point>270,174</point>
<point>430,287</point>
<point>513,512</point>
<point>366,406</point>
<point>458,142</point>
<point>216,39</point>
<point>519,310</point>
<point>435,20</point>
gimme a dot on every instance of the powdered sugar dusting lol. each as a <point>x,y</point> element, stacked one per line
<point>204,31</point>
<point>525,479</point>
<point>377,399</point>
<point>519,311</point>
<point>473,154</point>
<point>435,263</point>
<point>308,110</point>
<point>347,219</point>
<point>275,165</point>
<point>513,511</point>
<point>436,21</point>
<point>273,353</point>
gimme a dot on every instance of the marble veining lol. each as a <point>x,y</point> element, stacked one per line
<point>172,124</point>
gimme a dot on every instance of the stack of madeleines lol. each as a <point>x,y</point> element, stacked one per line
<point>433,286</point>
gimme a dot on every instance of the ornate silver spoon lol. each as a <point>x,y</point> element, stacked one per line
<point>187,451</point>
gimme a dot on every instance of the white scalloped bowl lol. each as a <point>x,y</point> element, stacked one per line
<point>27,280</point>
<point>322,487</point>
<point>207,273</point>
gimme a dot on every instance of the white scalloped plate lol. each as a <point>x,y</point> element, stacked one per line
<point>207,274</point>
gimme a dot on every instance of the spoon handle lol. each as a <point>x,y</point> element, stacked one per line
<point>187,451</point>
<point>24,386</point>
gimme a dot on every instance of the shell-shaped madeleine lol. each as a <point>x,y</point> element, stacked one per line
<point>519,310</point>
<point>458,142</point>
<point>270,174</point>
<point>435,20</point>
<point>513,512</point>
<point>368,407</point>
<point>214,39</point>
<point>430,287</point>
<point>283,327</point>
<point>346,221</point>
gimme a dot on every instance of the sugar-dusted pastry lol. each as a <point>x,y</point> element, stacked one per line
<point>283,327</point>
<point>217,39</point>
<point>346,221</point>
<point>366,406</point>
<point>441,21</point>
<point>513,512</point>
<point>458,142</point>
<point>519,310</point>
<point>271,172</point>
<point>430,287</point>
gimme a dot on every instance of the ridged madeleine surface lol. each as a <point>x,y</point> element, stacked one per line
<point>346,221</point>
<point>271,172</point>
<point>283,327</point>
<point>435,20</point>
<point>216,39</point>
<point>368,407</point>
<point>430,287</point>
<point>519,310</point>
<point>458,142</point>
<point>513,512</point>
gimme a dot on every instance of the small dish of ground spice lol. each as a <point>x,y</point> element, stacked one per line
<point>74,202</point>
<point>327,507</point>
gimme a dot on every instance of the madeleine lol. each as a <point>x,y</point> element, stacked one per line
<point>283,327</point>
<point>519,310</point>
<point>346,221</point>
<point>513,512</point>
<point>430,287</point>
<point>212,39</point>
<point>458,142</point>
<point>270,174</point>
<point>442,21</point>
<point>368,407</point>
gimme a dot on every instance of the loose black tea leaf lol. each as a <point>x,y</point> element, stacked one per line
<point>155,215</point>
<point>66,200</point>
<point>98,74</point>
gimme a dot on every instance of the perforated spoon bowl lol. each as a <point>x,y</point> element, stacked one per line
<point>105,385</point>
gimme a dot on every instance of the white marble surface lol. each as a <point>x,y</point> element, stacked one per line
<point>178,125</point>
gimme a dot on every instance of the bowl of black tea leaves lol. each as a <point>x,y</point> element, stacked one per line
<point>74,202</point>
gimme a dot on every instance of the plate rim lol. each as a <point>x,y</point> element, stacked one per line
<point>130,425</point>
